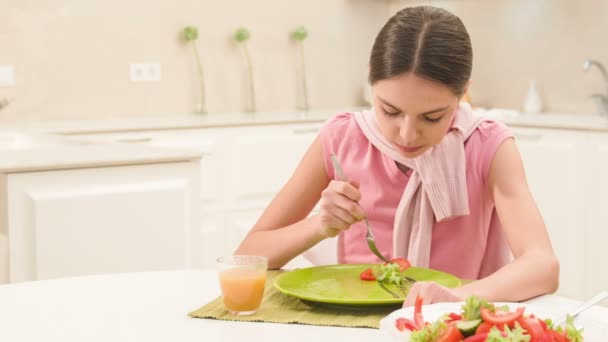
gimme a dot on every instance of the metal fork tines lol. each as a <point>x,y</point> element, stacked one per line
<point>369,237</point>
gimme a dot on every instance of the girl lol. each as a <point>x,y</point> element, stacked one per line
<point>440,187</point>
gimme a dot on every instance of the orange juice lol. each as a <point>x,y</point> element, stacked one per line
<point>242,288</point>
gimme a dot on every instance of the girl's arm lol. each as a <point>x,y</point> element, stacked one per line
<point>284,231</point>
<point>535,269</point>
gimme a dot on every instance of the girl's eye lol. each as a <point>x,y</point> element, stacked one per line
<point>389,113</point>
<point>433,119</point>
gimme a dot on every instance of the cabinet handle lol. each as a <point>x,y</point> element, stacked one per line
<point>528,136</point>
<point>134,140</point>
<point>306,130</point>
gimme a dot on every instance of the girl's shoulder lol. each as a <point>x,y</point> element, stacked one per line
<point>483,143</point>
<point>342,129</point>
<point>341,122</point>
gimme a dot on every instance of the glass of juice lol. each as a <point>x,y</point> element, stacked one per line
<point>242,279</point>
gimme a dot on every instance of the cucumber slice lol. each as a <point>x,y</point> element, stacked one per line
<point>467,328</point>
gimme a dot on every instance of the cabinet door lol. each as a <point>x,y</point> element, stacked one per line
<point>596,237</point>
<point>553,161</point>
<point>103,220</point>
<point>242,168</point>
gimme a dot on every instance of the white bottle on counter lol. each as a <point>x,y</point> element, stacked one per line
<point>533,103</point>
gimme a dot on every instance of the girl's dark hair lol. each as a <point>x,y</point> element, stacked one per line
<point>428,41</point>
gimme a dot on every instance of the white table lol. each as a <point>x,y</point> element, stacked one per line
<point>153,306</point>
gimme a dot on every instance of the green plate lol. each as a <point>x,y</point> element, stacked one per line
<point>341,285</point>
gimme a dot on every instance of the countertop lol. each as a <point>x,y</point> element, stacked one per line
<point>74,156</point>
<point>37,146</point>
<point>567,121</point>
<point>190,121</point>
<point>514,118</point>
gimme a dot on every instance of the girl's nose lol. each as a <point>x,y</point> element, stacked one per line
<point>408,131</point>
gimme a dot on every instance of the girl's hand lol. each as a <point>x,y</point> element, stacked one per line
<point>339,208</point>
<point>431,293</point>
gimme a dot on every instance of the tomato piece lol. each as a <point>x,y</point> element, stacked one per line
<point>543,324</point>
<point>418,319</point>
<point>558,337</point>
<point>452,317</point>
<point>452,334</point>
<point>545,337</point>
<point>477,337</point>
<point>367,275</point>
<point>532,326</point>
<point>403,263</point>
<point>404,323</point>
<point>501,318</point>
<point>484,327</point>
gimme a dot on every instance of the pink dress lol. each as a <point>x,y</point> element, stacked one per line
<point>464,246</point>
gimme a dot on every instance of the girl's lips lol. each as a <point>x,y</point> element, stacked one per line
<point>409,149</point>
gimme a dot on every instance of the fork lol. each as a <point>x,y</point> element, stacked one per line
<point>371,243</point>
<point>584,306</point>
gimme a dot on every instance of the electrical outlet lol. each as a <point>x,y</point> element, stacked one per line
<point>7,75</point>
<point>145,72</point>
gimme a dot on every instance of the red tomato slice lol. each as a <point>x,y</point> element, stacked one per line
<point>532,326</point>
<point>477,337</point>
<point>454,316</point>
<point>403,263</point>
<point>501,318</point>
<point>545,337</point>
<point>367,275</point>
<point>484,327</point>
<point>404,323</point>
<point>543,324</point>
<point>557,337</point>
<point>452,334</point>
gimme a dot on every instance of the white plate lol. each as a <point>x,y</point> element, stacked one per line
<point>594,330</point>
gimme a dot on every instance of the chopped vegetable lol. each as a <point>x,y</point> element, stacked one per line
<point>390,273</point>
<point>472,308</point>
<point>367,275</point>
<point>480,321</point>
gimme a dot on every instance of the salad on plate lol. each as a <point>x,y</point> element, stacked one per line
<point>477,320</point>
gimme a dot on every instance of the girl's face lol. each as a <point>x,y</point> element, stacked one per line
<point>413,113</point>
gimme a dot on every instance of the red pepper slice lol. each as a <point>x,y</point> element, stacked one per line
<point>418,319</point>
<point>367,275</point>
<point>404,323</point>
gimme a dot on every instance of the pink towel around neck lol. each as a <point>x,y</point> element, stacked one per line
<point>437,189</point>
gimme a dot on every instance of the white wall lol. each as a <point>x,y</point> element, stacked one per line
<point>72,57</point>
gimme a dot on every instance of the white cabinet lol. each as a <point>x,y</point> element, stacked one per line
<point>555,167</point>
<point>595,175</point>
<point>102,220</point>
<point>242,168</point>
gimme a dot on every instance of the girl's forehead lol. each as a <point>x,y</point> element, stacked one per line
<point>410,89</point>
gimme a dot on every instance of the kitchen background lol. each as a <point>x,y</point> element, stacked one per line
<point>71,58</point>
<point>91,161</point>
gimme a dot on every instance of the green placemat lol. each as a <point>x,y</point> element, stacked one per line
<point>279,308</point>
